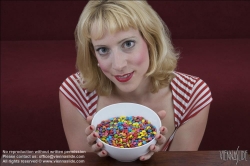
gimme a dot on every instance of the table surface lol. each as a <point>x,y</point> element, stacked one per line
<point>203,158</point>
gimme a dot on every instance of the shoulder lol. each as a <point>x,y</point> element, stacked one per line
<point>190,95</point>
<point>185,79</point>
<point>73,82</point>
<point>188,84</point>
<point>82,99</point>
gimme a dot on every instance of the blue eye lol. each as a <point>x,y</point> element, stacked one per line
<point>102,50</point>
<point>128,44</point>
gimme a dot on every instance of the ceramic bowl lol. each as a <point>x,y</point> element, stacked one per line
<point>127,109</point>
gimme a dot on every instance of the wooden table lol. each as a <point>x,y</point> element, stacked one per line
<point>203,158</point>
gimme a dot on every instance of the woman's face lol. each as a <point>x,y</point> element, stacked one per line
<point>123,57</point>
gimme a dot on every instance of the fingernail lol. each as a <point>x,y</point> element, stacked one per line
<point>103,152</point>
<point>94,135</point>
<point>91,128</point>
<point>159,137</point>
<point>154,148</point>
<point>163,129</point>
<point>98,145</point>
<point>143,159</point>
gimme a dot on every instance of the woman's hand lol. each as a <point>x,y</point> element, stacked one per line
<point>91,139</point>
<point>160,138</point>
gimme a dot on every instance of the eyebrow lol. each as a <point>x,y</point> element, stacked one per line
<point>125,39</point>
<point>118,42</point>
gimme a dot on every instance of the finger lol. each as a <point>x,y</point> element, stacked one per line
<point>160,139</point>
<point>97,147</point>
<point>163,130</point>
<point>102,153</point>
<point>92,138</point>
<point>162,114</point>
<point>146,156</point>
<point>89,129</point>
<point>89,119</point>
<point>155,148</point>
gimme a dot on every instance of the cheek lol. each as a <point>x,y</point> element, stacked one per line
<point>142,56</point>
<point>104,67</point>
<point>103,64</point>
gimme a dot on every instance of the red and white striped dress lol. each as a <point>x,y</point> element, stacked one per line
<point>190,96</point>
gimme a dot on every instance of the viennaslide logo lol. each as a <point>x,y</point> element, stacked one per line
<point>236,155</point>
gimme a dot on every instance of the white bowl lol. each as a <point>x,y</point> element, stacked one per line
<point>127,109</point>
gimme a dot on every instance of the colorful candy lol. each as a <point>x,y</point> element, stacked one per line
<point>126,131</point>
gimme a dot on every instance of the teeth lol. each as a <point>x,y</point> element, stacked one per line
<point>125,76</point>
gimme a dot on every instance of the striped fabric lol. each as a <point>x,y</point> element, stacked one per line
<point>190,95</point>
<point>85,102</point>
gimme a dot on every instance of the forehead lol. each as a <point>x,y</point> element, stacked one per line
<point>110,22</point>
<point>108,37</point>
<point>99,28</point>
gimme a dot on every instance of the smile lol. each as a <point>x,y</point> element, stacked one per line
<point>125,77</point>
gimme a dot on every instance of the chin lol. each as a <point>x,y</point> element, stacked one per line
<point>126,89</point>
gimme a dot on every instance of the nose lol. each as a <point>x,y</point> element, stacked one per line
<point>119,61</point>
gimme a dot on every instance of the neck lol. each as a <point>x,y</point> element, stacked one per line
<point>140,95</point>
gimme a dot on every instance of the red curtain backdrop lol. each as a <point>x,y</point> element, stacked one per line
<point>56,20</point>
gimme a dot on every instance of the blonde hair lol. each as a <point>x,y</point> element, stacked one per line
<point>114,16</point>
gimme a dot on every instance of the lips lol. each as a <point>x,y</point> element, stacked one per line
<point>124,78</point>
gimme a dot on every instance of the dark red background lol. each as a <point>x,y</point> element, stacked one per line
<point>38,53</point>
<point>56,20</point>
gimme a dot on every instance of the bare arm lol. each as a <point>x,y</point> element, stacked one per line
<point>188,137</point>
<point>74,125</point>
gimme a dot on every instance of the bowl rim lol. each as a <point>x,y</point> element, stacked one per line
<point>111,105</point>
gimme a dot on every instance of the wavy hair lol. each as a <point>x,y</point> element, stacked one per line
<point>114,16</point>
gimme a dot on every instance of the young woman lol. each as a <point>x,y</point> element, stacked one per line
<point>124,54</point>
